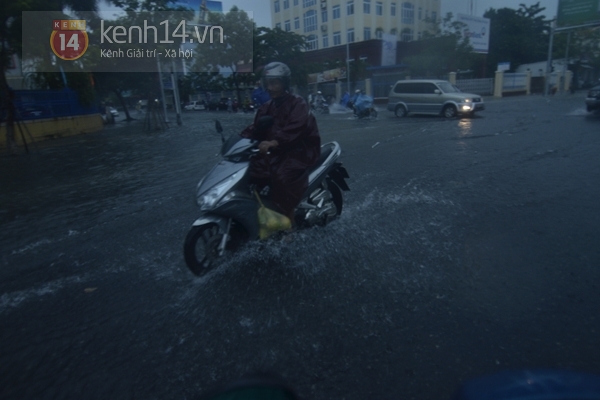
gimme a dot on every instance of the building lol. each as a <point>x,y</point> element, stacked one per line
<point>328,23</point>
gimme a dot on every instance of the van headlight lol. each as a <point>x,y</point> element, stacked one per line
<point>467,100</point>
<point>214,194</point>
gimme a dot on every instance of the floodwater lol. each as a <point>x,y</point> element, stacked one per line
<point>465,247</point>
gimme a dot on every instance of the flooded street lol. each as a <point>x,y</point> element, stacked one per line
<point>465,247</point>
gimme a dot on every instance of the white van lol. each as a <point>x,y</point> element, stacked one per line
<point>432,97</point>
<point>194,105</point>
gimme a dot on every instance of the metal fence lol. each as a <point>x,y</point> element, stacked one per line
<point>514,82</point>
<point>482,87</point>
<point>38,104</point>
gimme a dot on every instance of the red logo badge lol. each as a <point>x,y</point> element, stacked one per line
<point>69,40</point>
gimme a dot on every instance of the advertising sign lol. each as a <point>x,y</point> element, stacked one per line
<point>477,30</point>
<point>388,49</point>
<point>327,76</point>
<point>577,12</point>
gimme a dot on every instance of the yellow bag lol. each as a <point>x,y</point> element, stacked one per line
<point>270,221</point>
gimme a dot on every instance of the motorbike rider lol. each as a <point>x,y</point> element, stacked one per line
<point>361,103</point>
<point>259,95</point>
<point>319,99</point>
<point>289,144</point>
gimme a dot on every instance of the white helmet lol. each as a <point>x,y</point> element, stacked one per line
<point>277,70</point>
<point>357,91</point>
<point>319,92</point>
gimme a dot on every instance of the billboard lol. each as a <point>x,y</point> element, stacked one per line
<point>388,49</point>
<point>327,76</point>
<point>215,6</point>
<point>477,30</point>
<point>577,12</point>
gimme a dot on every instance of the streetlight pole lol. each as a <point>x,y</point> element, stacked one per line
<point>175,93</point>
<point>347,64</point>
<point>162,89</point>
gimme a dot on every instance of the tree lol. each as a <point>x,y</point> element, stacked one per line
<point>278,45</point>
<point>517,36</point>
<point>441,51</point>
<point>229,47</point>
<point>119,82</point>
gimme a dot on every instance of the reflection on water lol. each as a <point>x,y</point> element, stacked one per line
<point>465,127</point>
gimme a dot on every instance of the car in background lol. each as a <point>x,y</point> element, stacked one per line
<point>592,101</point>
<point>194,106</point>
<point>113,111</point>
<point>428,96</point>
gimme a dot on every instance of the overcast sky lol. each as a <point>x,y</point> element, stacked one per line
<point>262,13</point>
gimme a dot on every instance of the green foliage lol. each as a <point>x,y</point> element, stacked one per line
<point>286,47</point>
<point>517,36</point>
<point>441,51</point>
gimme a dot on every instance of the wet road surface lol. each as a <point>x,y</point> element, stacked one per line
<point>465,247</point>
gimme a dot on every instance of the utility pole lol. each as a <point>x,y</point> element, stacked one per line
<point>549,62</point>
<point>162,89</point>
<point>175,93</point>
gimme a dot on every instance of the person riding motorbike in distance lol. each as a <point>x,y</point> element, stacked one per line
<point>290,143</point>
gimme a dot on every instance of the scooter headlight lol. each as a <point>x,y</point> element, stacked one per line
<point>214,194</point>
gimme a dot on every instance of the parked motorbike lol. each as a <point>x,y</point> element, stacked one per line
<point>228,206</point>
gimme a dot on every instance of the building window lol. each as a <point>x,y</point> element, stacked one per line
<point>288,26</point>
<point>407,35</point>
<point>310,21</point>
<point>296,23</point>
<point>408,13</point>
<point>379,33</point>
<point>379,8</point>
<point>286,4</point>
<point>420,13</point>
<point>278,25</point>
<point>393,10</point>
<point>367,6</point>
<point>350,36</point>
<point>325,41</point>
<point>367,33</point>
<point>350,8</point>
<point>308,3</point>
<point>337,38</point>
<point>324,16</point>
<point>312,42</point>
<point>394,32</point>
<point>433,16</point>
<point>427,15</point>
<point>276,5</point>
<point>295,2</point>
<point>336,12</point>
<point>419,35</point>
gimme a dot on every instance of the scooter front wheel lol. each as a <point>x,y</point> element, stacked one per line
<point>201,248</point>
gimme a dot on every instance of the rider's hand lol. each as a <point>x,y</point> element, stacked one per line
<point>264,146</point>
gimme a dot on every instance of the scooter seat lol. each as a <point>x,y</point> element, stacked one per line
<point>325,152</point>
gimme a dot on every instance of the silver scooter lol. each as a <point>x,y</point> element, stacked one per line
<point>229,207</point>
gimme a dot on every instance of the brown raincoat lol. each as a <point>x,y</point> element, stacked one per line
<point>285,169</point>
